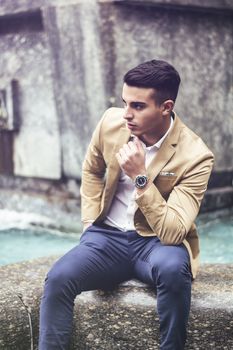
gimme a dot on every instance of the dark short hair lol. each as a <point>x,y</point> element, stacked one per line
<point>156,74</point>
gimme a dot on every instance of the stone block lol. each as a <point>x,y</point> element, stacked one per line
<point>124,318</point>
<point>36,145</point>
<point>193,5</point>
<point>78,77</point>
<point>217,198</point>
<point>85,47</point>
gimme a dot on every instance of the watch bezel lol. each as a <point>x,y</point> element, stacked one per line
<point>138,180</point>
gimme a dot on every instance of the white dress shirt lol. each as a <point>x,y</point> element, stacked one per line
<point>123,207</point>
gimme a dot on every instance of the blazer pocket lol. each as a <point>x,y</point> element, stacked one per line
<point>165,184</point>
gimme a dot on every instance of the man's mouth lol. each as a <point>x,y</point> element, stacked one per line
<point>131,125</point>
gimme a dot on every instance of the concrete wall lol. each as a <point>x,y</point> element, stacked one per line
<point>25,59</point>
<point>70,68</point>
<point>199,45</point>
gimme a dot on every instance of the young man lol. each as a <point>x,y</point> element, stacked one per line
<point>144,176</point>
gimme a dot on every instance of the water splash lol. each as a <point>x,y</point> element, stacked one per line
<point>10,219</point>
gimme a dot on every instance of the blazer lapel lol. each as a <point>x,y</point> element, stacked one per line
<point>166,150</point>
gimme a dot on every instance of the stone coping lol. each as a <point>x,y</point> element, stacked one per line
<point>217,6</point>
<point>124,318</point>
<point>8,7</point>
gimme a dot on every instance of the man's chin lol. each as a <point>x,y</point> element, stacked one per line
<point>136,133</point>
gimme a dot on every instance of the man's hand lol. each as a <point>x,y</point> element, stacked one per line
<point>131,158</point>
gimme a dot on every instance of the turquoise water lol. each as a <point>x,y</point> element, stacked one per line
<point>19,245</point>
<point>216,239</point>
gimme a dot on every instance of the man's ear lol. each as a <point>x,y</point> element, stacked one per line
<point>167,107</point>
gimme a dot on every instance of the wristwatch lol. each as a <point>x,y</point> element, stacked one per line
<point>141,181</point>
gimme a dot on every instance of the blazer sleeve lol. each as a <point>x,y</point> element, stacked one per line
<point>93,177</point>
<point>171,220</point>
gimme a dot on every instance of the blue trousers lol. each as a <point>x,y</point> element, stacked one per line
<point>104,258</point>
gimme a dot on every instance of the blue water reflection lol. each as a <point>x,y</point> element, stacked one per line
<point>216,239</point>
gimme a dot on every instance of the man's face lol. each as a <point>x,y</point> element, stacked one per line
<point>144,117</point>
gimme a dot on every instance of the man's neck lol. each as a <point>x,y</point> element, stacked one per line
<point>150,140</point>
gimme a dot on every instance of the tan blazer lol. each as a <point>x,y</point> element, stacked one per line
<point>178,179</point>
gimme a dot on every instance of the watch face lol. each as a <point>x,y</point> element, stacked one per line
<point>141,181</point>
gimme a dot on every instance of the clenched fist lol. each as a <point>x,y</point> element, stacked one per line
<point>131,158</point>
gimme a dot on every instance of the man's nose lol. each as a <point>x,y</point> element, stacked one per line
<point>128,113</point>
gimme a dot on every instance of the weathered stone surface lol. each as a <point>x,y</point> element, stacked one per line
<point>84,51</point>
<point>176,36</point>
<point>204,5</point>
<point>217,198</point>
<point>14,6</point>
<point>78,71</point>
<point>192,44</point>
<point>121,319</point>
<point>36,150</point>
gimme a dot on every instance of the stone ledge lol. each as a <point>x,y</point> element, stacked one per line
<point>217,198</point>
<point>214,6</point>
<point>8,7</point>
<point>121,319</point>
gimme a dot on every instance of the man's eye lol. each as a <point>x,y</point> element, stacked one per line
<point>138,107</point>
